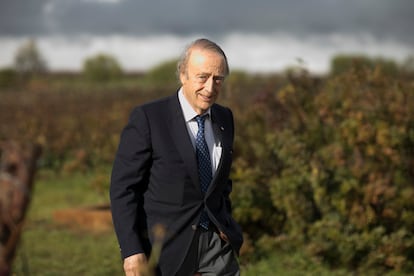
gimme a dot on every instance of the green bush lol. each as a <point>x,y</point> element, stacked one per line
<point>337,166</point>
<point>8,78</point>
<point>102,67</point>
<point>164,73</point>
<point>344,63</point>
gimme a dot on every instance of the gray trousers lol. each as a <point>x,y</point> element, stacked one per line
<point>210,256</point>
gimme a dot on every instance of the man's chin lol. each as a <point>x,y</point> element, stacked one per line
<point>206,106</point>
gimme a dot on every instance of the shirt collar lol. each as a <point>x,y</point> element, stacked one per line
<point>188,111</point>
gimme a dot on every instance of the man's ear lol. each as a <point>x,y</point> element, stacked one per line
<point>183,77</point>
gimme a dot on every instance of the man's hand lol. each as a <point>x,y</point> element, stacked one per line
<point>136,265</point>
<point>224,237</point>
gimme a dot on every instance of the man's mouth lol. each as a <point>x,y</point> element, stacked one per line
<point>205,98</point>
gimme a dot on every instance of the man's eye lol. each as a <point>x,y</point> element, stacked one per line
<point>219,80</point>
<point>202,77</point>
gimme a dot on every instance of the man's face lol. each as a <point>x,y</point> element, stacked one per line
<point>203,79</point>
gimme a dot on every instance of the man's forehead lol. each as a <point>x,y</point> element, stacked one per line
<point>200,52</point>
<point>207,58</point>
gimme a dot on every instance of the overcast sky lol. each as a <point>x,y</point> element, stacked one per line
<point>259,35</point>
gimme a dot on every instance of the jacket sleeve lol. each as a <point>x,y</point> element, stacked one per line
<point>129,181</point>
<point>226,194</point>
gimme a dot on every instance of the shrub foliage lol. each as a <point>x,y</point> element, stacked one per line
<point>334,163</point>
<point>102,67</point>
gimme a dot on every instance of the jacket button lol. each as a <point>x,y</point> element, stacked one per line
<point>194,227</point>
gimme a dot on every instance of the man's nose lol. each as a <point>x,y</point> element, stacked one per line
<point>209,85</point>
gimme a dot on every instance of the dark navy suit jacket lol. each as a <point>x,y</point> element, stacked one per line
<point>155,183</point>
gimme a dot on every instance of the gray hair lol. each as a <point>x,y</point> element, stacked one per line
<point>203,44</point>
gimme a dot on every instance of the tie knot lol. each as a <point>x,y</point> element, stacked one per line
<point>200,120</point>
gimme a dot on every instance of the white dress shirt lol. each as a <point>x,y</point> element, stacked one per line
<point>213,144</point>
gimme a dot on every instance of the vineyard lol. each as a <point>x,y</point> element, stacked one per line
<point>322,164</point>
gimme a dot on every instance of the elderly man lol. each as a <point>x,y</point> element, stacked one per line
<point>171,172</point>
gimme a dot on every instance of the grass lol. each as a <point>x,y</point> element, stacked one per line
<point>48,248</point>
<point>295,264</point>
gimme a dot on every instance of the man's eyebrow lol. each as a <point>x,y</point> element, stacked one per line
<point>216,77</point>
<point>219,77</point>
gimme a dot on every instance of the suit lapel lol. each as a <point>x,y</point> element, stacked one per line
<point>222,133</point>
<point>179,132</point>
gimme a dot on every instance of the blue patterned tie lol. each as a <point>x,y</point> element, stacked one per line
<point>204,164</point>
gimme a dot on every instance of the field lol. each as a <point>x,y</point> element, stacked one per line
<point>49,248</point>
<point>341,145</point>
